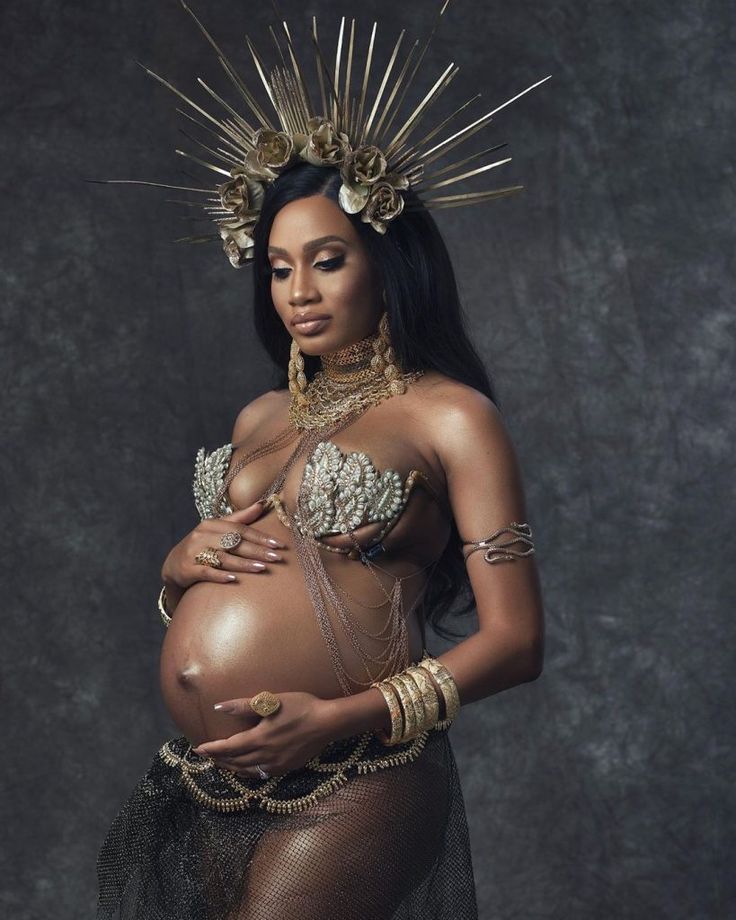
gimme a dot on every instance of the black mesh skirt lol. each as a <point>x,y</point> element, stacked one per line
<point>363,832</point>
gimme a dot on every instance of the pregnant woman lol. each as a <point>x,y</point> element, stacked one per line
<point>369,494</point>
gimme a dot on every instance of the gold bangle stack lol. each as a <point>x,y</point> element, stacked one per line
<point>165,615</point>
<point>413,701</point>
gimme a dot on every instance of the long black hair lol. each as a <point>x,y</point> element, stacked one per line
<point>426,325</point>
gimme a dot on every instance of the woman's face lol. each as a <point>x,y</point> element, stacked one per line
<point>320,269</point>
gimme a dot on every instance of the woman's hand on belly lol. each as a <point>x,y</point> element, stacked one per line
<point>283,741</point>
<point>251,554</point>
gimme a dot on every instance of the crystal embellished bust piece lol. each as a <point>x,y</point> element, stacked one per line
<point>342,491</point>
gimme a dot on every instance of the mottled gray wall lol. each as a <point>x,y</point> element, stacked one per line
<point>603,301</point>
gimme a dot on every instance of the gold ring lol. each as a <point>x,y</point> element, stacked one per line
<point>265,703</point>
<point>209,556</point>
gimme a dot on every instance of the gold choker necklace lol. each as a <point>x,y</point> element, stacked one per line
<point>345,361</point>
<point>350,380</point>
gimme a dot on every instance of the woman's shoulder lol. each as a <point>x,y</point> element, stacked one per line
<point>451,399</point>
<point>268,409</point>
<point>463,424</point>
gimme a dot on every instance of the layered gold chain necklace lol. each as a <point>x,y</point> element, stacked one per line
<point>350,380</point>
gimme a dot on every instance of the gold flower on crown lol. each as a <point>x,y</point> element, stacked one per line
<point>273,152</point>
<point>325,146</point>
<point>384,204</point>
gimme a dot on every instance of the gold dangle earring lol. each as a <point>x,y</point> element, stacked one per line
<point>297,377</point>
<point>384,358</point>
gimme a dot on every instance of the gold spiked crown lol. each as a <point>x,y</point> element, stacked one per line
<point>374,149</point>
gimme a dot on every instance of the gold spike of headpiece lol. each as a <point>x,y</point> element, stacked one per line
<point>352,133</point>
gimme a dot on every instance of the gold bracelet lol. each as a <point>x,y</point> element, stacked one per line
<point>397,720</point>
<point>447,686</point>
<point>165,615</point>
<point>407,705</point>
<point>415,702</point>
<point>429,696</point>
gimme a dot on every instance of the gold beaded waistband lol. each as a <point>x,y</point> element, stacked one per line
<point>225,791</point>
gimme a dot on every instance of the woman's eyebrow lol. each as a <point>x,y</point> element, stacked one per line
<point>312,244</point>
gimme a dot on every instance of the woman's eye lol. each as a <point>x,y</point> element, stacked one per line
<point>326,265</point>
<point>330,264</point>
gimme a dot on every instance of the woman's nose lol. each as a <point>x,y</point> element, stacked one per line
<point>302,288</point>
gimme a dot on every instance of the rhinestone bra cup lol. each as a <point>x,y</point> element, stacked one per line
<point>342,491</point>
<point>209,473</point>
<point>339,491</point>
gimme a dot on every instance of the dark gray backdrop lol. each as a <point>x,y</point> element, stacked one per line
<point>602,299</point>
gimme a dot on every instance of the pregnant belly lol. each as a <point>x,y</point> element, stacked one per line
<point>231,641</point>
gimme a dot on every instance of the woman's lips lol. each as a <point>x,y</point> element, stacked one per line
<point>311,326</point>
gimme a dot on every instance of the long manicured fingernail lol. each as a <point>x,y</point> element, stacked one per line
<point>231,578</point>
<point>258,566</point>
<point>274,557</point>
<point>276,543</point>
<point>224,707</point>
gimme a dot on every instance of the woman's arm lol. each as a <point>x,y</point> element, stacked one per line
<point>486,493</point>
